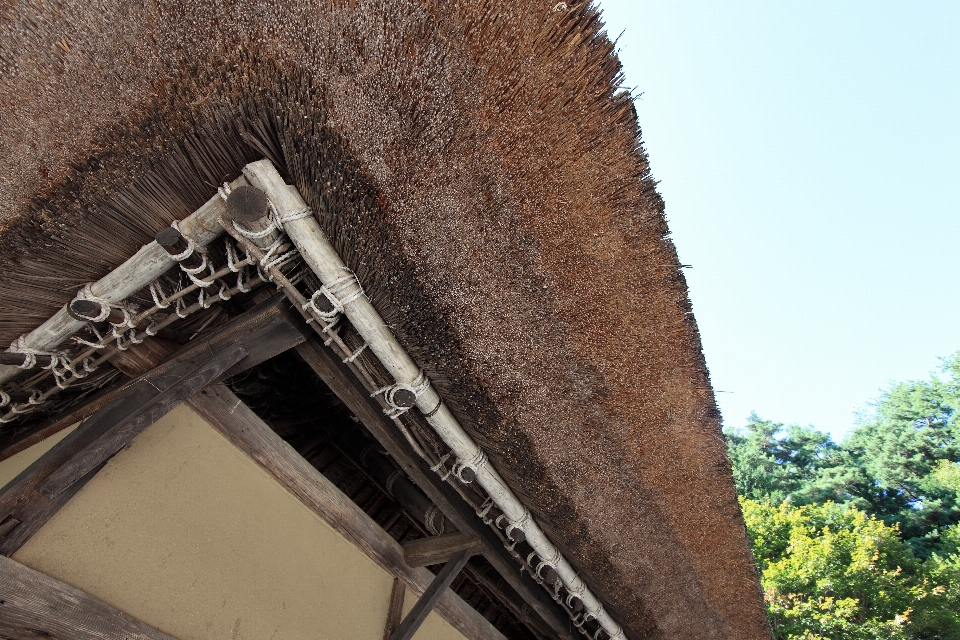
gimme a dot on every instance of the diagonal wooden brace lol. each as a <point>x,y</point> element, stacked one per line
<point>431,596</point>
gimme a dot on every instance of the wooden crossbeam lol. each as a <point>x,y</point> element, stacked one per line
<point>433,550</point>
<point>34,496</point>
<point>34,605</point>
<point>545,616</point>
<point>431,596</point>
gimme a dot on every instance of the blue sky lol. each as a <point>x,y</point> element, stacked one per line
<point>809,156</point>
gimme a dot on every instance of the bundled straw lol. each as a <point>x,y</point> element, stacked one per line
<point>479,167</point>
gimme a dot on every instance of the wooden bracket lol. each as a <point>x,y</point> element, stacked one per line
<point>438,549</point>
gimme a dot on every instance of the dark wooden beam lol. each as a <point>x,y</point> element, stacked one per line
<point>546,615</point>
<point>120,434</point>
<point>226,413</point>
<point>395,613</point>
<point>34,605</point>
<point>426,552</point>
<point>34,496</point>
<point>431,596</point>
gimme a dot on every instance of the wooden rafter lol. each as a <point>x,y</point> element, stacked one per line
<point>545,614</point>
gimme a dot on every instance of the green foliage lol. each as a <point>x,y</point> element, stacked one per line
<point>777,462</point>
<point>859,540</point>
<point>831,571</point>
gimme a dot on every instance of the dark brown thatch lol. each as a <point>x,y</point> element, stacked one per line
<point>477,165</point>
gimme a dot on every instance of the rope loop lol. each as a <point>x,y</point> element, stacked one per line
<point>474,464</point>
<point>437,467</point>
<point>333,292</point>
<point>191,247</point>
<point>250,234</point>
<point>159,298</point>
<point>403,396</point>
<point>86,293</point>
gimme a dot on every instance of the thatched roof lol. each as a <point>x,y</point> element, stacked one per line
<point>480,169</point>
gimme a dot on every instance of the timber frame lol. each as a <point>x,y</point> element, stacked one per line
<point>194,374</point>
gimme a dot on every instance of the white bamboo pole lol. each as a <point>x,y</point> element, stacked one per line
<point>148,264</point>
<point>320,255</point>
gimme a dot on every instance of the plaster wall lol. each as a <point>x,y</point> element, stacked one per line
<point>186,533</point>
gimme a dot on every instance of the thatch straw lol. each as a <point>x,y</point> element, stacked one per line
<point>479,168</point>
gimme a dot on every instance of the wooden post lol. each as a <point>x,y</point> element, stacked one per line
<point>395,613</point>
<point>431,596</point>
<point>34,605</point>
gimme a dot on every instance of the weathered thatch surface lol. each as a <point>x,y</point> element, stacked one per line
<point>477,165</point>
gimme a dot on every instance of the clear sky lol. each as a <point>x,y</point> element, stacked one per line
<point>809,156</point>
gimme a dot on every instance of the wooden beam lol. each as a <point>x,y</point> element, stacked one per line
<point>120,434</point>
<point>426,552</point>
<point>34,605</point>
<point>34,496</point>
<point>395,613</point>
<point>431,596</point>
<point>547,616</point>
<point>265,331</point>
<point>226,413</point>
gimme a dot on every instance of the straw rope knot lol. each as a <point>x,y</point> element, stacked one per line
<point>86,293</point>
<point>466,470</point>
<point>402,396</point>
<point>191,247</point>
<point>330,300</point>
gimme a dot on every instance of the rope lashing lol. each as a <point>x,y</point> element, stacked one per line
<point>281,219</point>
<point>515,530</point>
<point>186,253</point>
<point>402,396</point>
<point>86,293</point>
<point>466,470</point>
<point>436,468</point>
<point>484,509</point>
<point>429,520</point>
<point>326,303</point>
<point>356,354</point>
<point>255,235</point>
<point>433,412</point>
<point>30,354</point>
